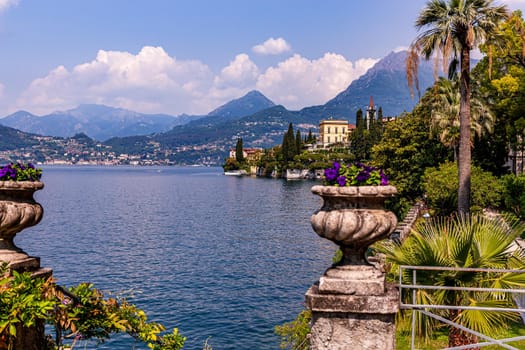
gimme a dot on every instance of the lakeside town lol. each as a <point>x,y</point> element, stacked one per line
<point>81,150</point>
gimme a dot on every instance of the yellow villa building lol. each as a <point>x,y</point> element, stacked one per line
<point>334,131</point>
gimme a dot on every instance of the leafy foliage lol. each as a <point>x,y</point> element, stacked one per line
<point>22,303</point>
<point>357,174</point>
<point>441,186</point>
<point>294,334</point>
<point>407,149</point>
<point>467,242</point>
<point>20,172</point>
<point>514,194</point>
<point>79,313</point>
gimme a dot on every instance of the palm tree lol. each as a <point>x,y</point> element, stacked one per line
<point>445,115</point>
<point>464,241</point>
<point>455,27</point>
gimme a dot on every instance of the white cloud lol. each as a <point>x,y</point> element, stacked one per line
<point>4,4</point>
<point>299,82</point>
<point>150,81</point>
<point>272,47</point>
<point>241,73</point>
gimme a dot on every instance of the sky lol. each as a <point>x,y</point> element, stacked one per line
<point>192,56</point>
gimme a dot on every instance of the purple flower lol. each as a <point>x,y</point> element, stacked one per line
<point>384,179</point>
<point>356,174</point>
<point>362,176</point>
<point>330,174</point>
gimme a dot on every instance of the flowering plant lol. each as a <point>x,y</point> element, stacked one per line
<point>357,174</point>
<point>20,172</point>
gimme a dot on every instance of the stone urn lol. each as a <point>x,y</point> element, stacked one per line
<point>18,210</point>
<point>354,217</point>
<point>352,305</point>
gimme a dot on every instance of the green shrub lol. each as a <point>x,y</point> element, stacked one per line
<point>22,304</point>
<point>231,164</point>
<point>294,334</point>
<point>79,313</point>
<point>441,187</point>
<point>514,194</point>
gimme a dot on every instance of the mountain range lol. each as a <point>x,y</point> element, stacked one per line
<point>253,117</point>
<point>98,121</point>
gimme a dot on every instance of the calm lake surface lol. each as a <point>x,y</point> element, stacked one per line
<point>219,257</point>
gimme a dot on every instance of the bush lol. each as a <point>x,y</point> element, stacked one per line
<point>78,313</point>
<point>231,164</point>
<point>294,334</point>
<point>441,187</point>
<point>514,194</point>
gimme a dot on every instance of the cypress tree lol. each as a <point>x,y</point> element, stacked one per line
<point>239,155</point>
<point>298,143</point>
<point>359,119</point>
<point>285,148</point>
<point>290,140</point>
<point>358,137</point>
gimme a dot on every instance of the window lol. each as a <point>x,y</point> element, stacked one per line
<point>336,129</point>
<point>328,129</point>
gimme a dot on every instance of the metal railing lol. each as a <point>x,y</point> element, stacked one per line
<point>426,309</point>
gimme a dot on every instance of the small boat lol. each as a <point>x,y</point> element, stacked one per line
<point>233,173</point>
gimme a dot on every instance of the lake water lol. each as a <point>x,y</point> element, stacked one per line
<point>219,257</point>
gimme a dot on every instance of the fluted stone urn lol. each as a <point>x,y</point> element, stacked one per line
<point>354,217</point>
<point>18,210</point>
<point>352,305</point>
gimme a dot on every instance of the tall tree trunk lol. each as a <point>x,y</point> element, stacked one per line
<point>464,134</point>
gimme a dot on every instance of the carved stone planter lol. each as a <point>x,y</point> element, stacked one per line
<point>352,306</point>
<point>18,210</point>
<point>354,218</point>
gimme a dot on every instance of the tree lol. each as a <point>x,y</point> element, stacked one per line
<point>239,152</point>
<point>289,146</point>
<point>298,143</point>
<point>359,144</point>
<point>465,242</point>
<point>310,138</point>
<point>501,76</point>
<point>455,27</point>
<point>441,189</point>
<point>406,150</point>
<point>445,114</point>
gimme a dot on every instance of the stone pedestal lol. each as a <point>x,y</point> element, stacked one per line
<point>19,210</point>
<point>352,308</point>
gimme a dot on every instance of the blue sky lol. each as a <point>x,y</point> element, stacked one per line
<point>191,56</point>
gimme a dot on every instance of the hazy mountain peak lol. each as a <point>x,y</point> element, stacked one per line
<point>392,61</point>
<point>251,103</point>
